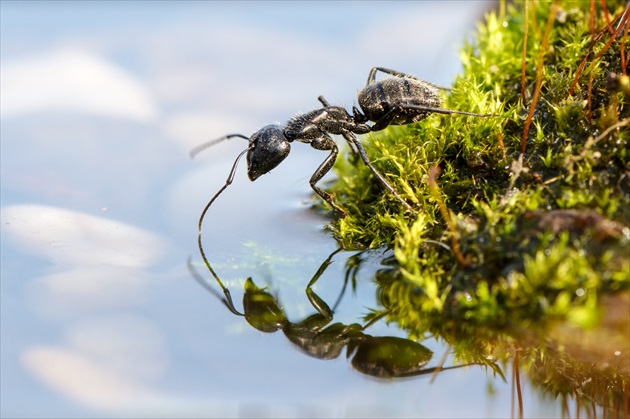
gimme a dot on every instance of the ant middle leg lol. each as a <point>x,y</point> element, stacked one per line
<point>350,138</point>
<point>325,143</point>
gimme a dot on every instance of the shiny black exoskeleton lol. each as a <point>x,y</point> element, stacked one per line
<point>378,356</point>
<point>270,145</point>
<point>399,100</point>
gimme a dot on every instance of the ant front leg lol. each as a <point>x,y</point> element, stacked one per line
<point>325,143</point>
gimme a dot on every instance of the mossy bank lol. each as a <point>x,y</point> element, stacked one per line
<point>522,218</point>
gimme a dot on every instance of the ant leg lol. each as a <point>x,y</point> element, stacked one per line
<point>358,117</point>
<point>352,266</point>
<point>444,111</point>
<point>348,136</point>
<point>374,70</point>
<point>386,119</point>
<point>372,77</point>
<point>392,113</point>
<point>325,143</point>
<point>323,101</point>
<point>315,300</point>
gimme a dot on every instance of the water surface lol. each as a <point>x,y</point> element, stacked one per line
<point>101,102</point>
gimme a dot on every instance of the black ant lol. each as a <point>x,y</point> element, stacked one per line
<point>270,145</point>
<point>378,356</point>
<point>402,99</point>
<point>399,100</point>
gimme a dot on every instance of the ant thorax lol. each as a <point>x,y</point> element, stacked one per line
<point>311,125</point>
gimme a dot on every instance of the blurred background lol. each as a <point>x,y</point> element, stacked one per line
<point>100,104</point>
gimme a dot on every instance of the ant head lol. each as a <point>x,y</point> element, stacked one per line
<point>262,310</point>
<point>267,148</point>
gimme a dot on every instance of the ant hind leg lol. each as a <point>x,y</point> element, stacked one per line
<point>374,70</point>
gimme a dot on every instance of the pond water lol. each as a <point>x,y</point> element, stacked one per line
<point>100,314</point>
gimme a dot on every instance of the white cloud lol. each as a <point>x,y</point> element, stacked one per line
<point>71,238</point>
<point>192,128</point>
<point>82,379</point>
<point>75,81</point>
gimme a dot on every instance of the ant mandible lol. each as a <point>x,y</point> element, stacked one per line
<point>270,145</point>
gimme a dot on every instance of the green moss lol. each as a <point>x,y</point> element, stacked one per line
<point>543,270</point>
<point>544,234</point>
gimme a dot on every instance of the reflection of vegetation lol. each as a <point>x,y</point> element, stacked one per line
<point>524,221</point>
<point>378,356</point>
<point>560,358</point>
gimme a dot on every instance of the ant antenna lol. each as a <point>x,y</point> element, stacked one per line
<point>226,291</point>
<point>227,183</point>
<point>203,146</point>
<point>227,300</point>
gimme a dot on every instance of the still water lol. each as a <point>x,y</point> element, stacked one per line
<point>101,315</point>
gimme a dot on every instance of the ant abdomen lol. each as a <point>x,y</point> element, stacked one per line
<point>377,99</point>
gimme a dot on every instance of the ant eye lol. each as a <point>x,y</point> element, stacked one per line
<point>270,148</point>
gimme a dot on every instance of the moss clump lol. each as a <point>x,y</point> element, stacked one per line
<point>525,236</point>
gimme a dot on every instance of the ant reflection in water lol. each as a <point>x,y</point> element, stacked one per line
<point>377,356</point>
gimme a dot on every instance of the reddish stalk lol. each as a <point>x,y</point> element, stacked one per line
<point>534,21</point>
<point>607,16</point>
<point>623,17</point>
<point>589,96</point>
<point>624,59</point>
<point>435,193</point>
<point>539,70</point>
<point>517,377</point>
<point>524,51</point>
<point>620,26</point>
<point>591,22</point>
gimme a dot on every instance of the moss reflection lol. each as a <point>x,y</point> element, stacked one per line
<point>590,367</point>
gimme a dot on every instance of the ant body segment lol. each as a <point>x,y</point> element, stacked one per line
<point>270,145</point>
<point>399,100</point>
